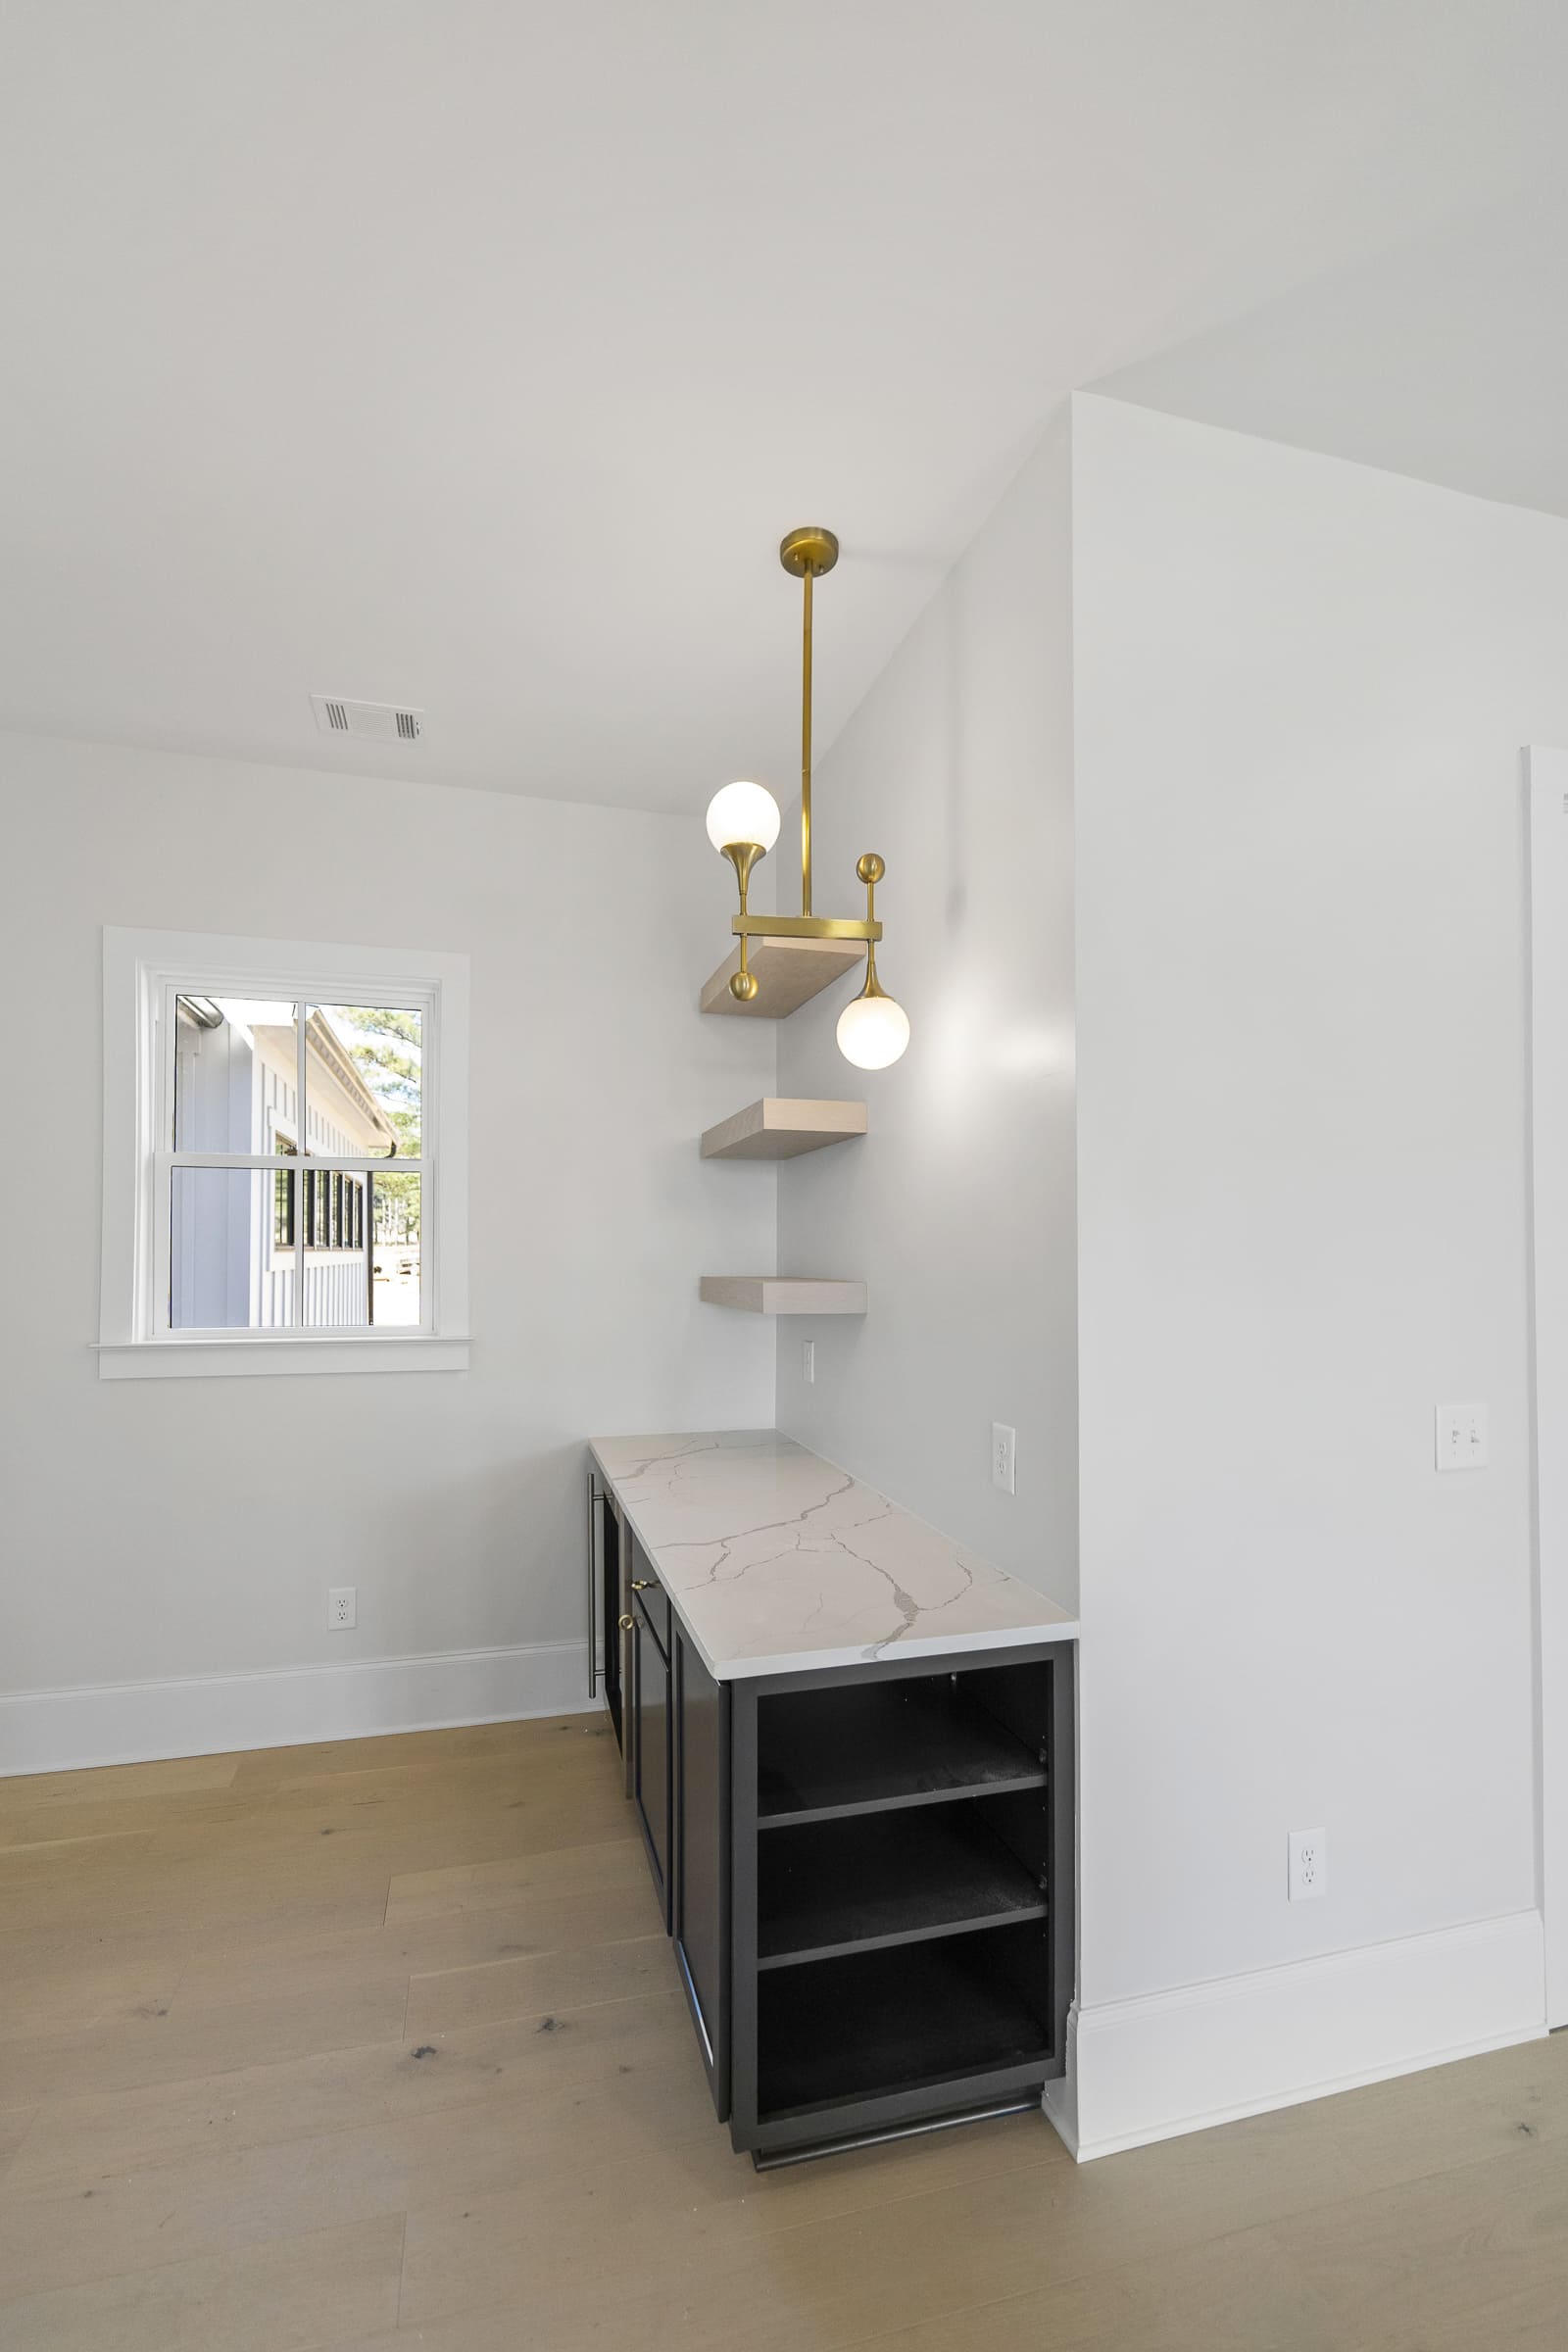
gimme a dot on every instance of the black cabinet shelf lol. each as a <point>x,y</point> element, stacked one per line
<point>824,1755</point>
<point>883,1879</point>
<point>886,2022</point>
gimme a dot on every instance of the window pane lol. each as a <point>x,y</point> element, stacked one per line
<point>227,1269</point>
<point>337,1266</point>
<point>236,1074</point>
<point>395,1224</point>
<point>363,1081</point>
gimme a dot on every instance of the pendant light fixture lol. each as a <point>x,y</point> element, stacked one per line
<point>743,825</point>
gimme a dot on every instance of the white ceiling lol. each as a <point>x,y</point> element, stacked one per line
<point>475,353</point>
<point>1446,358</point>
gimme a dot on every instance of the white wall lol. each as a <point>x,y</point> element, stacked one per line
<point>1300,692</point>
<point>158,1530</point>
<point>958,1206</point>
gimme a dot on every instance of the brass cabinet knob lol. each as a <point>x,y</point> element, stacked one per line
<point>625,1624</point>
<point>645,1584</point>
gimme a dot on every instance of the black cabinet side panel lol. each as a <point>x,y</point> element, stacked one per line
<point>1061,1859</point>
<point>609,1603</point>
<point>742,2116</point>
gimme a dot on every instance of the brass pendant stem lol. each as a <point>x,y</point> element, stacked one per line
<point>805,751</point>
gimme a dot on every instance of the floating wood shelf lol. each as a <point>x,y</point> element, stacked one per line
<point>779,1127</point>
<point>784,1295</point>
<point>788,972</point>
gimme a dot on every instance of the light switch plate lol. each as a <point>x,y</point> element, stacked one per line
<point>1461,1437</point>
<point>808,1360</point>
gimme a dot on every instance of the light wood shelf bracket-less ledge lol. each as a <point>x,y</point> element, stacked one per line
<point>779,1127</point>
<point>789,972</point>
<point>784,1295</point>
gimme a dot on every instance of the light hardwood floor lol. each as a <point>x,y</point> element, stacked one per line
<point>379,2047</point>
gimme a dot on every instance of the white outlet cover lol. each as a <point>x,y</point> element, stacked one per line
<point>1004,1458</point>
<point>1308,1865</point>
<point>342,1609</point>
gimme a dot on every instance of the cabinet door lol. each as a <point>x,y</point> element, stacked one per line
<point>700,1906</point>
<point>651,1757</point>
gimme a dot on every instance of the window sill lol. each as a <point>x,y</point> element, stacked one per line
<point>246,1355</point>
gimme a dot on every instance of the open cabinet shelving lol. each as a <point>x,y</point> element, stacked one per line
<point>901,1925</point>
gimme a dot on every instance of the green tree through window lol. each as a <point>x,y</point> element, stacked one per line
<point>386,1047</point>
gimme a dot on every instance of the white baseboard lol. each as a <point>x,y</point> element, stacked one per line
<point>1060,2097</point>
<point>1172,2062</point>
<point>131,1722</point>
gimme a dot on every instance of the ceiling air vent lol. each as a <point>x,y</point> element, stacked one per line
<point>372,722</point>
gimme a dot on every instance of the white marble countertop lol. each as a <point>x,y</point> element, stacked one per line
<point>775,1561</point>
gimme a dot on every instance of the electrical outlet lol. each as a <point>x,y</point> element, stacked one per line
<point>1310,1865</point>
<point>1004,1456</point>
<point>809,1361</point>
<point>343,1609</point>
<point>1461,1437</point>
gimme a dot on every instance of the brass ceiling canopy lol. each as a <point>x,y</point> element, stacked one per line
<point>743,825</point>
<point>808,552</point>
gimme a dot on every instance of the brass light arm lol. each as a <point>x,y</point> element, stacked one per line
<point>743,856</point>
<point>802,926</point>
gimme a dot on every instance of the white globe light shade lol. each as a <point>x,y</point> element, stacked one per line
<point>872,1032</point>
<point>742,813</point>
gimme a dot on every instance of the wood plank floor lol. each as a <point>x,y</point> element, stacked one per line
<point>378,2045</point>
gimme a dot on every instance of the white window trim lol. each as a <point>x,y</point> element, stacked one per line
<point>138,967</point>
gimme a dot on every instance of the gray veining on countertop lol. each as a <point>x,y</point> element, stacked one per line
<point>776,1560</point>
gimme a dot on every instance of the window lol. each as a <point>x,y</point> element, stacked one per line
<point>285,1157</point>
